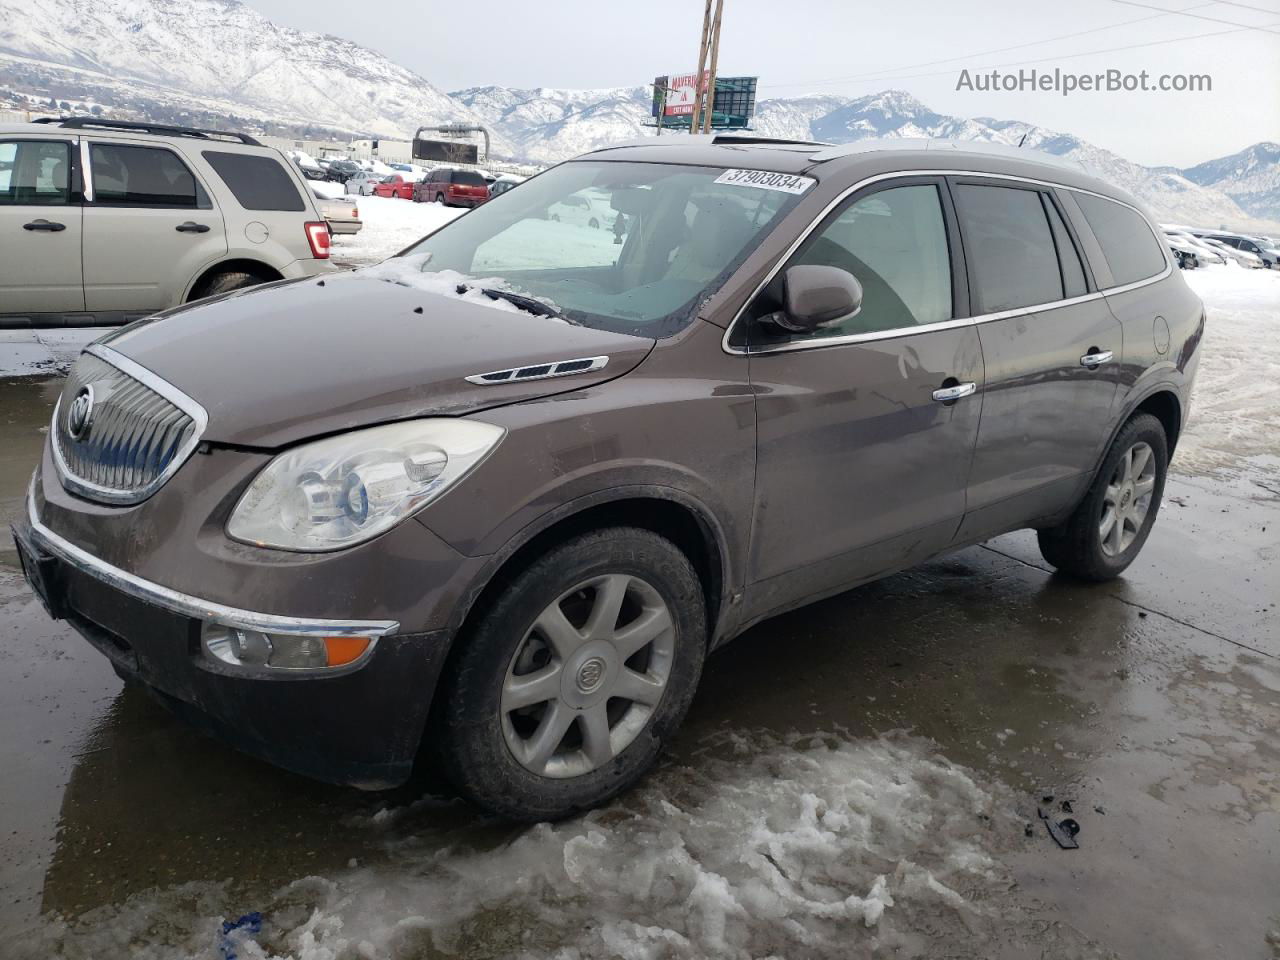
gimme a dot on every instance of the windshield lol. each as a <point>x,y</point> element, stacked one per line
<point>627,247</point>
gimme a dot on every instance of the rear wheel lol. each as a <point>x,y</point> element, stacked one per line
<point>224,283</point>
<point>439,198</point>
<point>564,693</point>
<point>1107,530</point>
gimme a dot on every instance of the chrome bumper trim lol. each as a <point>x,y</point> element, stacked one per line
<point>177,602</point>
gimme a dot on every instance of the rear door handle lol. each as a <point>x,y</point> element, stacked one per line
<point>1096,358</point>
<point>953,393</point>
<point>190,227</point>
<point>47,225</point>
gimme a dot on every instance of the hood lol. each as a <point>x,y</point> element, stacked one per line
<point>277,364</point>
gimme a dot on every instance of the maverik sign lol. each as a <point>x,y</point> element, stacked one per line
<point>682,93</point>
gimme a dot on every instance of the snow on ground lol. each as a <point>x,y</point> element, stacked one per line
<point>1235,409</point>
<point>812,846</point>
<point>390,225</point>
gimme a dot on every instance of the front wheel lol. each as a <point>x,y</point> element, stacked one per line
<point>564,693</point>
<point>1108,528</point>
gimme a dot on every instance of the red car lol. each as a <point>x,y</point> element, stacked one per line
<point>394,185</point>
<point>454,188</point>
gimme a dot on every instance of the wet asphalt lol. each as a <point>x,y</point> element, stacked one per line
<point>1151,705</point>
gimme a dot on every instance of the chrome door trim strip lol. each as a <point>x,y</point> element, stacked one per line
<point>186,605</point>
<point>820,342</point>
<point>86,172</point>
<point>197,413</point>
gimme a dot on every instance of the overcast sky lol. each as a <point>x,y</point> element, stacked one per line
<point>855,48</point>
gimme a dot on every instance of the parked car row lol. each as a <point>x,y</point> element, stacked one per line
<point>1193,247</point>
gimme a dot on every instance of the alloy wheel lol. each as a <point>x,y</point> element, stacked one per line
<point>587,676</point>
<point>1127,499</point>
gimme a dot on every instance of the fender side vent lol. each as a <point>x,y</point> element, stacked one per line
<point>541,371</point>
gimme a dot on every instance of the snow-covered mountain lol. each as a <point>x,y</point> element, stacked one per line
<point>1251,178</point>
<point>218,63</point>
<point>212,56</point>
<point>551,125</point>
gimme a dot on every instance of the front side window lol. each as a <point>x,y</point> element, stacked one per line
<point>661,239</point>
<point>35,172</point>
<point>1009,247</point>
<point>258,183</point>
<point>141,177</point>
<point>1131,249</point>
<point>895,242</point>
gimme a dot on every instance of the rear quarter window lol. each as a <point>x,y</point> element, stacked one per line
<point>257,182</point>
<point>1131,249</point>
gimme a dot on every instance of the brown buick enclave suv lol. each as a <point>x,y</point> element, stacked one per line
<point>495,499</point>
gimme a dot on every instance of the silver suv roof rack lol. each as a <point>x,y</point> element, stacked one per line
<point>161,129</point>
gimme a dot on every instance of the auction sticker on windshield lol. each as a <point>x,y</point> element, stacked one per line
<point>766,179</point>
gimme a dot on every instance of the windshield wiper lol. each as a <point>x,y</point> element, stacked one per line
<point>524,303</point>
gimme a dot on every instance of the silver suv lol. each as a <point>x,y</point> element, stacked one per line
<point>103,221</point>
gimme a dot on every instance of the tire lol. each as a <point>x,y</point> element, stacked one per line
<point>594,224</point>
<point>1085,546</point>
<point>225,283</point>
<point>440,198</point>
<point>484,717</point>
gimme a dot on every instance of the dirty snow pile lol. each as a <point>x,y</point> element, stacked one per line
<point>1235,409</point>
<point>812,846</point>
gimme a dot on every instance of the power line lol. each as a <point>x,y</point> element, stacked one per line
<point>1069,56</point>
<point>1198,16</point>
<point>879,74</point>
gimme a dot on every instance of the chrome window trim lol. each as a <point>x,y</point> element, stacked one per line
<point>486,379</point>
<point>186,605</point>
<point>86,172</point>
<point>94,491</point>
<point>819,342</point>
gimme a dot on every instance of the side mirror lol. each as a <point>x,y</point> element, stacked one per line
<point>817,296</point>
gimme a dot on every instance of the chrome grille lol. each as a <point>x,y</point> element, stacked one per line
<point>139,429</point>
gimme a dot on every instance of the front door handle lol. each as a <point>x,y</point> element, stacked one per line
<point>47,225</point>
<point>1096,358</point>
<point>190,227</point>
<point>953,393</point>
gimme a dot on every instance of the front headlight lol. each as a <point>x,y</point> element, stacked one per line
<point>338,492</point>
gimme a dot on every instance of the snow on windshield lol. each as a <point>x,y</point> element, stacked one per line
<point>407,271</point>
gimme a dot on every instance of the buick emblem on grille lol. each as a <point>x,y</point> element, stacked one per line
<point>81,413</point>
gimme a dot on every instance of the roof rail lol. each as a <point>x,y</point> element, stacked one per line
<point>163,129</point>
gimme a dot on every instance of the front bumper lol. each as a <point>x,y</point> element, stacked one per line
<point>359,725</point>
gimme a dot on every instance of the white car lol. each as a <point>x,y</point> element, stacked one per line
<point>1188,256</point>
<point>363,185</point>
<point>1243,258</point>
<point>1204,253</point>
<point>343,216</point>
<point>584,210</point>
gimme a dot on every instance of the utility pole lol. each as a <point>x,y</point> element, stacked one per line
<point>702,65</point>
<point>715,59</point>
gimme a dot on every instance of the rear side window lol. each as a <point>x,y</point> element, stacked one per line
<point>1009,247</point>
<point>130,176</point>
<point>468,178</point>
<point>895,242</point>
<point>35,173</point>
<point>1131,249</point>
<point>258,183</point>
